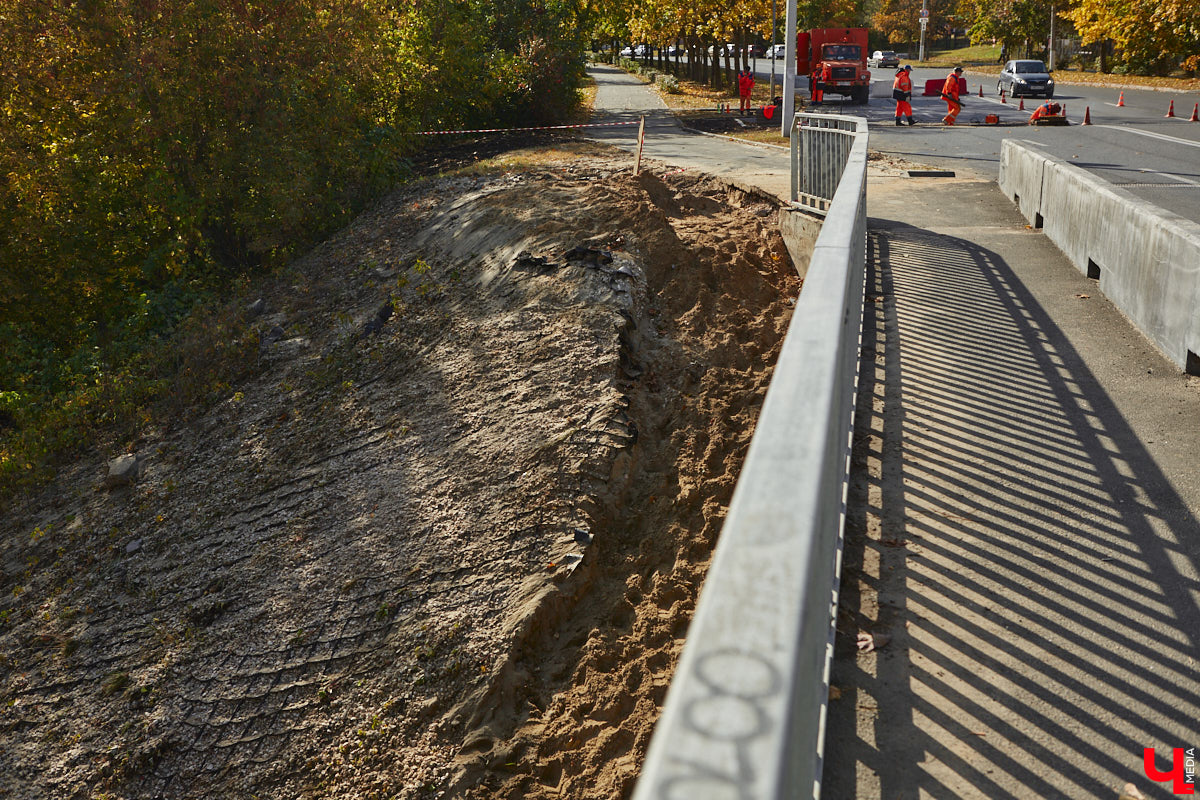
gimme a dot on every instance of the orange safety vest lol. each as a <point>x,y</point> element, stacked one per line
<point>1046,109</point>
<point>903,82</point>
<point>950,88</point>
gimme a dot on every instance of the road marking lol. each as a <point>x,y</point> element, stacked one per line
<point>1179,178</point>
<point>1161,136</point>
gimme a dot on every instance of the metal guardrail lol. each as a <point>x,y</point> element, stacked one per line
<point>744,717</point>
<point>820,145</point>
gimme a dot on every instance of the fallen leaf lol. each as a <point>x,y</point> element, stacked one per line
<point>893,542</point>
<point>1084,296</point>
<point>869,642</point>
<point>835,693</point>
<point>1130,792</point>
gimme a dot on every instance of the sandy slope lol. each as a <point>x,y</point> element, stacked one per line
<point>451,556</point>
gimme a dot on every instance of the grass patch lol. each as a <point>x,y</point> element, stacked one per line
<point>118,396</point>
<point>972,55</point>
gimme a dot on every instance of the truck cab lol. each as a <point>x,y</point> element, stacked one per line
<point>844,51</point>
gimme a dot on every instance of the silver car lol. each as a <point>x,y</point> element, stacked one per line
<point>1025,77</point>
<point>884,58</point>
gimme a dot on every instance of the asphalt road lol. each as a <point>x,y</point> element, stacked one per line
<point>1134,146</point>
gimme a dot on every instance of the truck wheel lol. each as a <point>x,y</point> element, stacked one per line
<point>862,95</point>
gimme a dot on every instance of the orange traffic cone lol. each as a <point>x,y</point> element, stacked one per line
<point>1171,110</point>
<point>981,90</point>
<point>1121,100</point>
<point>1087,115</point>
<point>1195,113</point>
<point>1002,100</point>
<point>1022,106</point>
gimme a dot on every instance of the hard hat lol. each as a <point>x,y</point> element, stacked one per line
<point>958,69</point>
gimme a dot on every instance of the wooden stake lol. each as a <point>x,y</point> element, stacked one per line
<point>637,165</point>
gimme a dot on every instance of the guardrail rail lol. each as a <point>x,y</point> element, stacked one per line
<point>744,716</point>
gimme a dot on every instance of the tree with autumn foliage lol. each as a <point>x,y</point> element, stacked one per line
<point>899,20</point>
<point>1022,25</point>
<point>1150,36</point>
<point>154,152</point>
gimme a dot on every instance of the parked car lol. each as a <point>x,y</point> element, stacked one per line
<point>1025,77</point>
<point>639,51</point>
<point>676,50</point>
<point>778,51</point>
<point>884,58</point>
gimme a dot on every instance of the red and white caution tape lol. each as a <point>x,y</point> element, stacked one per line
<point>542,128</point>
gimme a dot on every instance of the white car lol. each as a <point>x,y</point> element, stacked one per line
<point>777,51</point>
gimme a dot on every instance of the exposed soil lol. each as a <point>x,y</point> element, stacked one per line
<point>446,551</point>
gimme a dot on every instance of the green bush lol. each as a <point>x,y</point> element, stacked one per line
<point>155,155</point>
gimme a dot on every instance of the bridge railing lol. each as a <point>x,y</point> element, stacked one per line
<point>744,716</point>
<point>820,150</point>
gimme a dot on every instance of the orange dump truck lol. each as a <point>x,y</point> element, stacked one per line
<point>841,55</point>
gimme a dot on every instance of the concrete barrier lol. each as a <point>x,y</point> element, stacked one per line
<point>744,717</point>
<point>1147,259</point>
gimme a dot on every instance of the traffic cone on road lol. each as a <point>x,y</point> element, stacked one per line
<point>1195,113</point>
<point>1121,100</point>
<point>1087,115</point>
<point>1022,106</point>
<point>1002,100</point>
<point>981,90</point>
<point>1171,110</point>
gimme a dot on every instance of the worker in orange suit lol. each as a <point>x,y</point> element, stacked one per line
<point>902,92</point>
<point>819,79</point>
<point>951,91</point>
<point>1046,109</point>
<point>745,89</point>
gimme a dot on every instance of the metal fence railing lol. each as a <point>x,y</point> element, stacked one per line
<point>820,145</point>
<point>744,717</point>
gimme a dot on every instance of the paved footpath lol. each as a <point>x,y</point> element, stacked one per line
<point>1023,508</point>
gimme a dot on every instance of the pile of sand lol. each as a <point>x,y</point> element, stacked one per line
<point>448,539</point>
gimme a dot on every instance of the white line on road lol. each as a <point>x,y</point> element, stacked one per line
<point>1162,136</point>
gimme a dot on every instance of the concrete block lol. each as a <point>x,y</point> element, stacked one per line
<point>1147,259</point>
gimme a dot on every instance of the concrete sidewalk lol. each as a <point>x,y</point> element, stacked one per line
<point>1023,509</point>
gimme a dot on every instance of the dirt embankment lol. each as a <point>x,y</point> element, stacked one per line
<point>447,542</point>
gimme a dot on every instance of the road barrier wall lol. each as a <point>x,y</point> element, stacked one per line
<point>744,717</point>
<point>1146,258</point>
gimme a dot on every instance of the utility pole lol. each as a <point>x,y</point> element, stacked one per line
<point>924,22</point>
<point>774,33</point>
<point>1052,36</point>
<point>789,70</point>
